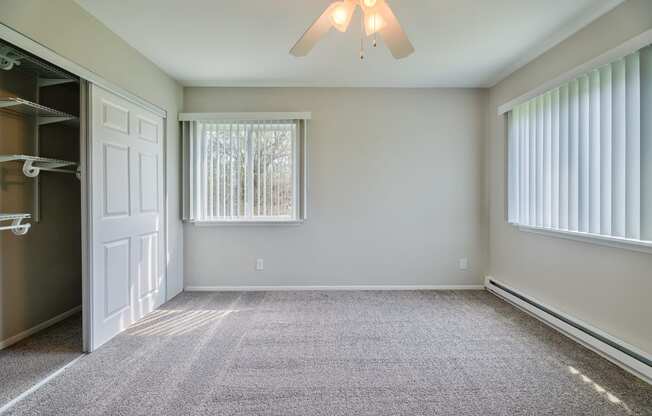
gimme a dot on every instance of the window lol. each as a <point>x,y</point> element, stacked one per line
<point>244,171</point>
<point>580,155</point>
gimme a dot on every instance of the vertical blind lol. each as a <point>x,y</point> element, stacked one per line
<point>580,155</point>
<point>242,170</point>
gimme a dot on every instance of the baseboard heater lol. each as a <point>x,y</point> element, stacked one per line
<point>631,360</point>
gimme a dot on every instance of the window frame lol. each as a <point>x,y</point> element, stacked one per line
<point>299,172</point>
<point>639,245</point>
<point>642,246</point>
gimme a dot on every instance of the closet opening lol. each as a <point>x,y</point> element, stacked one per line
<point>41,106</point>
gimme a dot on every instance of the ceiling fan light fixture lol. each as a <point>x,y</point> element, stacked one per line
<point>374,23</point>
<point>377,18</point>
<point>341,14</point>
<point>369,6</point>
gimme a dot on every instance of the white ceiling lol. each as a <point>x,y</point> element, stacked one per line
<point>459,43</point>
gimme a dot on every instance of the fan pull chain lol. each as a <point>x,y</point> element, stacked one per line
<point>374,27</point>
<point>361,36</point>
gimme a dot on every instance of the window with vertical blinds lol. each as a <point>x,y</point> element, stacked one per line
<point>243,170</point>
<point>580,155</point>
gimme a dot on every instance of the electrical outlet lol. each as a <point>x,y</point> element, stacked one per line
<point>464,264</point>
<point>260,264</point>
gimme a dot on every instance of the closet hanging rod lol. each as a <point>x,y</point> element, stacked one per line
<point>75,172</point>
<point>17,226</point>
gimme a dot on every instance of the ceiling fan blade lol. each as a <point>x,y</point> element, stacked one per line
<point>392,33</point>
<point>319,28</point>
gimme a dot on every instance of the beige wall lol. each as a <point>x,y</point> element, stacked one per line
<point>396,194</point>
<point>66,28</point>
<point>606,287</point>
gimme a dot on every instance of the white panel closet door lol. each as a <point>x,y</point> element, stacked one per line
<point>127,265</point>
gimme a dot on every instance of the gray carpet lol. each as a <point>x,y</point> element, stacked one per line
<point>27,362</point>
<point>341,353</point>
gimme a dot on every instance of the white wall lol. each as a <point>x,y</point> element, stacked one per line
<point>66,28</point>
<point>606,287</point>
<point>396,192</point>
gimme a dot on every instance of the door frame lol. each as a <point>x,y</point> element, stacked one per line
<point>87,76</point>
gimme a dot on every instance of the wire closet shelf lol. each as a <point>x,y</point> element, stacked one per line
<point>33,165</point>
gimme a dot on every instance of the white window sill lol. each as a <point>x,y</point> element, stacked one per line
<point>217,223</point>
<point>603,240</point>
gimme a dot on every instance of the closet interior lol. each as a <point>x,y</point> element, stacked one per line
<point>40,220</point>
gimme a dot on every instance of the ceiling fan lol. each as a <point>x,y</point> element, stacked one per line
<point>377,17</point>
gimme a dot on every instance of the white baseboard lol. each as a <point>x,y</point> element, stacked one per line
<point>31,331</point>
<point>346,287</point>
<point>611,353</point>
